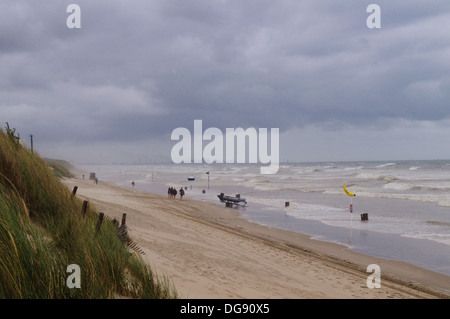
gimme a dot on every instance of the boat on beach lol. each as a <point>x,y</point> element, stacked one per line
<point>232,200</point>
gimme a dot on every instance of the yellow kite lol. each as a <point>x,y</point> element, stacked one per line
<point>347,192</point>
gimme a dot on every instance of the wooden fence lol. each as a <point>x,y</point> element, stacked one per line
<point>122,229</point>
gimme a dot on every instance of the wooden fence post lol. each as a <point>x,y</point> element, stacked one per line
<point>74,191</point>
<point>123,233</point>
<point>99,222</point>
<point>84,208</point>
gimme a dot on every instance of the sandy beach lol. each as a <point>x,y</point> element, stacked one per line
<point>209,251</point>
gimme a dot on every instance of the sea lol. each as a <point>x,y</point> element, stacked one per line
<point>407,203</point>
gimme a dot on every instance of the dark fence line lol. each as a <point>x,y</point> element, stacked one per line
<point>122,230</point>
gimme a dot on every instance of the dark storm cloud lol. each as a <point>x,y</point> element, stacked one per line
<point>138,69</point>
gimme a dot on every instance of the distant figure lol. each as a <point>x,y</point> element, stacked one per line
<point>174,192</point>
<point>132,183</point>
<point>169,193</point>
<point>83,176</point>
<point>96,180</point>
<point>181,193</point>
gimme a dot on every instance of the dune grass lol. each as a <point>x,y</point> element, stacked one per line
<point>60,168</point>
<point>42,232</point>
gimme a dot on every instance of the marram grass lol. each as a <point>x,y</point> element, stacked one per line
<point>42,232</point>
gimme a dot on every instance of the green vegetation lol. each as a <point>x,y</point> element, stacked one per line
<point>42,232</point>
<point>11,132</point>
<point>60,168</point>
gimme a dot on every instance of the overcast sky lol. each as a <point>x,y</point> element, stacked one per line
<point>115,89</point>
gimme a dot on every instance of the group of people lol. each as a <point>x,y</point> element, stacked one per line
<point>172,193</point>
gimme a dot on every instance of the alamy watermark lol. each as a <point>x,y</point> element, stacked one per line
<point>373,21</point>
<point>190,148</point>
<point>73,21</point>
<point>374,280</point>
<point>74,279</point>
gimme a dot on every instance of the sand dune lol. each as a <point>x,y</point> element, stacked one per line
<point>209,251</point>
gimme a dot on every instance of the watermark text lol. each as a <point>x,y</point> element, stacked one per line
<point>233,150</point>
<point>74,19</point>
<point>74,280</point>
<point>374,280</point>
<point>374,19</point>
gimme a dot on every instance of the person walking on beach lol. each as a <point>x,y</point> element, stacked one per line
<point>174,192</point>
<point>132,183</point>
<point>181,193</point>
<point>169,193</point>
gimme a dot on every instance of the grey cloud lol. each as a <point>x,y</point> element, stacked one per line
<point>137,70</point>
